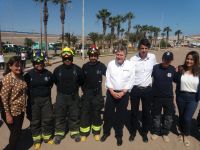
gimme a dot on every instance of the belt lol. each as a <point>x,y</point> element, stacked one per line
<point>117,91</point>
<point>142,87</point>
<point>187,92</point>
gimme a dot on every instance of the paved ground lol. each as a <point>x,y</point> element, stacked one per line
<point>67,143</point>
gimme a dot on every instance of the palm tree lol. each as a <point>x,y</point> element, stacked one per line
<point>45,20</point>
<point>129,16</point>
<point>178,32</point>
<point>93,36</point>
<point>74,40</point>
<point>119,20</point>
<point>144,29</point>
<point>138,30</point>
<point>112,24</point>
<point>133,38</point>
<point>167,30</point>
<point>67,38</point>
<point>103,14</point>
<point>40,21</point>
<point>156,31</point>
<point>163,35</point>
<point>63,4</point>
<point>122,32</point>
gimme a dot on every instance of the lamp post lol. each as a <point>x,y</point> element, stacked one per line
<point>83,11</point>
<point>0,39</point>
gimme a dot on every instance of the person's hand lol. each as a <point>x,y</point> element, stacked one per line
<point>120,95</point>
<point>9,118</point>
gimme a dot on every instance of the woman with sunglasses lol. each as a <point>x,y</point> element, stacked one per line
<point>40,111</point>
<point>13,95</point>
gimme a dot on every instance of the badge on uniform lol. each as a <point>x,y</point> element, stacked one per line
<point>98,71</point>
<point>46,78</point>
<point>169,75</point>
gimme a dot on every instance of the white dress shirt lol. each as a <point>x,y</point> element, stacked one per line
<point>120,77</point>
<point>143,69</point>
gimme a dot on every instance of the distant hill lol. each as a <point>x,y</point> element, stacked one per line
<point>16,37</point>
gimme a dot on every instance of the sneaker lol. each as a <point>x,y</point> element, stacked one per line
<point>154,136</point>
<point>83,138</point>
<point>97,137</point>
<point>57,139</point>
<point>180,138</point>
<point>186,141</point>
<point>37,146</point>
<point>166,138</point>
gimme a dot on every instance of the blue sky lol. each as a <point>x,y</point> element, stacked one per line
<point>23,15</point>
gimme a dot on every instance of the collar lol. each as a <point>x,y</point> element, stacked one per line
<point>119,65</point>
<point>139,58</point>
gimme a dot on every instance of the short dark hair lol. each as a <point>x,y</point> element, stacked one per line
<point>11,61</point>
<point>196,67</point>
<point>121,48</point>
<point>144,42</point>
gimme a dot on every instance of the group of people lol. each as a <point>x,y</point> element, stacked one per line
<point>137,79</point>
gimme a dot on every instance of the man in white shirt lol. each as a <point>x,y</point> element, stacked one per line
<point>144,62</point>
<point>119,80</point>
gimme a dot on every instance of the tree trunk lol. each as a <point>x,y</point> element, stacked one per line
<point>45,19</point>
<point>104,28</point>
<point>0,40</point>
<point>41,24</point>
<point>62,18</point>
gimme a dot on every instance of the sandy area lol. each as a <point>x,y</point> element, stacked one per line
<point>67,143</point>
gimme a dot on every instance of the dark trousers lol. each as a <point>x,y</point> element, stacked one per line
<point>145,94</point>
<point>2,64</point>
<point>162,126</point>
<point>23,62</point>
<point>67,106</point>
<point>198,120</point>
<point>15,130</point>
<point>187,105</point>
<point>115,114</point>
<point>42,118</point>
<point>91,105</point>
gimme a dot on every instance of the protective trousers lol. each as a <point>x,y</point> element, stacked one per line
<point>91,105</point>
<point>42,119</point>
<point>67,106</point>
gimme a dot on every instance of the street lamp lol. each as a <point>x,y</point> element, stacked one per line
<point>83,55</point>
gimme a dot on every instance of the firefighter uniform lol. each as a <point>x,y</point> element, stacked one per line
<point>92,99</point>
<point>39,84</point>
<point>68,79</point>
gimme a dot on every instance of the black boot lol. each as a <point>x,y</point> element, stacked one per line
<point>57,139</point>
<point>119,141</point>
<point>104,137</point>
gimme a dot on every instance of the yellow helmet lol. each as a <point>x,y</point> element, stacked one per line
<point>67,52</point>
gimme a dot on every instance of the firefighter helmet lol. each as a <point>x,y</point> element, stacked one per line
<point>93,50</point>
<point>38,56</point>
<point>67,52</point>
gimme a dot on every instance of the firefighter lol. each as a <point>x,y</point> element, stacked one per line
<point>92,99</point>
<point>40,110</point>
<point>68,78</point>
